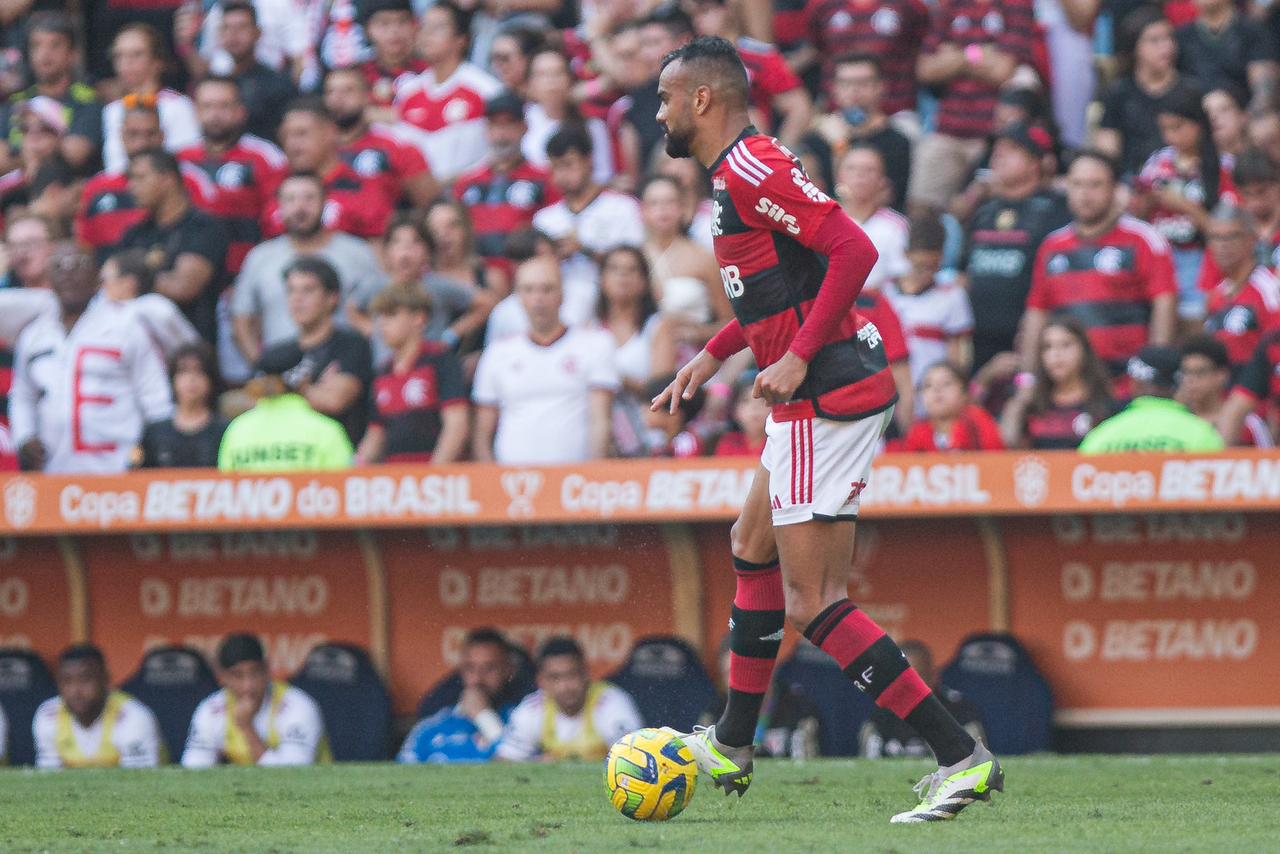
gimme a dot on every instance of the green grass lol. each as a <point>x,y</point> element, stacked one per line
<point>1214,804</point>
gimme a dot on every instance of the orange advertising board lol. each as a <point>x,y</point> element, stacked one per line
<point>605,585</point>
<point>36,608</point>
<point>919,580</point>
<point>913,486</point>
<point>1153,619</point>
<point>293,588</point>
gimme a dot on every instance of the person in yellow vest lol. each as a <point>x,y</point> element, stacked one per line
<point>252,719</point>
<point>90,726</point>
<point>569,716</point>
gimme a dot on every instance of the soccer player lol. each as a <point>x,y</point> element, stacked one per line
<point>90,726</point>
<point>253,720</point>
<point>793,263</point>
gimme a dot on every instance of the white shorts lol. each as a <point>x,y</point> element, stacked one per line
<point>818,467</point>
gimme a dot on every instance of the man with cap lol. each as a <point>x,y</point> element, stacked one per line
<point>1154,421</point>
<point>1004,234</point>
<point>504,193</point>
<point>376,153</point>
<point>253,719</point>
<point>43,123</point>
<point>90,726</point>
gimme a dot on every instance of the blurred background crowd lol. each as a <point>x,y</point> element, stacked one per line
<point>394,230</point>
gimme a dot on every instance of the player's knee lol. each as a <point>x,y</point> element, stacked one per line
<point>754,549</point>
<point>804,603</point>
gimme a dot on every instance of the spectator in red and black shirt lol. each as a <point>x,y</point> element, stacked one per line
<point>504,194</point>
<point>1204,380</point>
<point>356,204</point>
<point>244,170</point>
<point>778,98</point>
<point>395,167</point>
<point>1245,303</point>
<point>890,30</point>
<point>418,407</point>
<point>392,30</point>
<point>974,48</point>
<point>951,422</point>
<point>1114,274</point>
<point>1257,183</point>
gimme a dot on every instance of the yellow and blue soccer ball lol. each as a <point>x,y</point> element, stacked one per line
<point>650,775</point>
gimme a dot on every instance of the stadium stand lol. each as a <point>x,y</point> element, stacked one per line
<point>668,682</point>
<point>996,674</point>
<point>171,681</point>
<point>353,700</point>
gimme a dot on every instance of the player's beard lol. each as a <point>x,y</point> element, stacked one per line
<point>679,144</point>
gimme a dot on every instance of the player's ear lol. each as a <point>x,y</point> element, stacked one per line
<point>701,99</point>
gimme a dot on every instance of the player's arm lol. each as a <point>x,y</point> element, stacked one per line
<point>601,407</point>
<point>1164,320</point>
<point>454,421</point>
<point>727,342</point>
<point>204,742</point>
<point>522,738</point>
<point>190,275</point>
<point>482,435</point>
<point>301,730</point>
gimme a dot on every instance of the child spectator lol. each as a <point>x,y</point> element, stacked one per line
<point>951,422</point>
<point>749,416</point>
<point>191,438</point>
<point>936,318</point>
<point>127,278</point>
<point>1065,396</point>
<point>668,432</point>
<point>418,406</point>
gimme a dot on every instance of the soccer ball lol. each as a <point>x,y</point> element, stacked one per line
<point>650,775</point>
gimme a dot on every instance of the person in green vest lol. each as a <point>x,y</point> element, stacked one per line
<point>282,432</point>
<point>1154,421</point>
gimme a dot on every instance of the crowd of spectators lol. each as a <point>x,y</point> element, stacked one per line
<point>451,228</point>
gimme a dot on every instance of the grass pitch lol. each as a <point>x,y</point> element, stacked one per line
<point>1095,804</point>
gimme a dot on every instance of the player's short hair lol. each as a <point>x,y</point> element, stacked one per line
<point>239,648</point>
<point>487,636</point>
<point>411,298</point>
<point>309,105</point>
<point>320,269</point>
<point>133,262</point>
<point>223,80</point>
<point>242,6</point>
<point>558,646</point>
<point>1209,347</point>
<point>161,161</point>
<point>928,234</point>
<point>55,23</point>
<point>1098,156</point>
<point>82,652</point>
<point>572,136</point>
<point>862,59</point>
<point>1253,166</point>
<point>714,62</point>
<point>204,355</point>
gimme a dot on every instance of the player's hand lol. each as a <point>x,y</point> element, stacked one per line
<point>689,379</point>
<point>33,456</point>
<point>244,714</point>
<point>778,382</point>
<point>472,703</point>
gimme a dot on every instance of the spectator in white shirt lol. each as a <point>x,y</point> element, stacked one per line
<point>253,720</point>
<point>127,279</point>
<point>90,726</point>
<point>137,54</point>
<point>569,716</point>
<point>551,107</point>
<point>863,188</point>
<point>544,397</point>
<point>86,378</point>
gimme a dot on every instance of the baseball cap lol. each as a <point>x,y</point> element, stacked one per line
<point>1157,366</point>
<point>1033,138</point>
<point>52,114</point>
<point>505,103</point>
<point>237,649</point>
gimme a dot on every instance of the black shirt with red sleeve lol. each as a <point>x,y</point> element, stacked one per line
<point>244,180</point>
<point>889,30</point>
<point>353,204</point>
<point>768,223</point>
<point>108,210</point>
<point>968,105</point>
<point>502,204</point>
<point>384,161</point>
<point>1063,428</point>
<point>407,405</point>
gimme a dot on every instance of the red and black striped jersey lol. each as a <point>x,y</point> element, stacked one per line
<point>790,24</point>
<point>353,204</point>
<point>1107,283</point>
<point>890,30</point>
<point>1240,320</point>
<point>968,105</point>
<point>766,215</point>
<point>244,180</point>
<point>875,306</point>
<point>385,161</point>
<point>408,405</point>
<point>108,210</point>
<point>768,73</point>
<point>502,204</point>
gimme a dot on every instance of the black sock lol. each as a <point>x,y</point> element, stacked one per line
<point>950,741</point>
<point>755,635</point>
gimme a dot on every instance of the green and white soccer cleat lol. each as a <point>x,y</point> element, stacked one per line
<point>728,767</point>
<point>945,792</point>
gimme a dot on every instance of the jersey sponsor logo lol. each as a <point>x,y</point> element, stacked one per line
<point>886,21</point>
<point>856,491</point>
<point>717,230</point>
<point>731,276</point>
<point>775,212</point>
<point>870,336</point>
<point>807,187</point>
